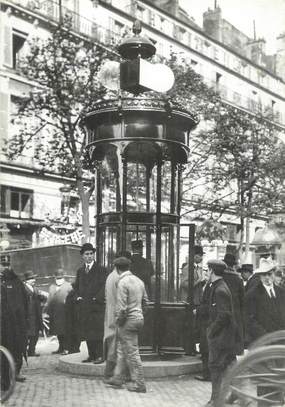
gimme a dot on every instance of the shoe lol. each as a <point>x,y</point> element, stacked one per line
<point>65,352</point>
<point>138,388</point>
<point>20,378</point>
<point>56,352</point>
<point>98,361</point>
<point>34,354</point>
<point>88,360</point>
<point>114,382</point>
<point>203,378</point>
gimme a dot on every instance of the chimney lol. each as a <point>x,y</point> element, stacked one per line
<point>280,56</point>
<point>255,50</point>
<point>212,23</point>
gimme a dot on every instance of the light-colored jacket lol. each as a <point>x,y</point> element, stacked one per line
<point>110,310</point>
<point>131,294</point>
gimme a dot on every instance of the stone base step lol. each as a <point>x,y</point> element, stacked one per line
<point>175,366</point>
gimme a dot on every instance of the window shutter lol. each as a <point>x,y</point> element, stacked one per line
<point>4,115</point>
<point>8,46</point>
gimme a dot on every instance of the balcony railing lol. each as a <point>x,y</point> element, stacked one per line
<point>50,9</point>
<point>80,24</point>
<point>245,102</point>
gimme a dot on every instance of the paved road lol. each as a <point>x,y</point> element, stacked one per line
<point>47,387</point>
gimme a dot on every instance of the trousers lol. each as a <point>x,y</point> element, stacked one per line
<point>128,351</point>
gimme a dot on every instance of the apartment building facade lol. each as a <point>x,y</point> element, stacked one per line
<point>229,61</point>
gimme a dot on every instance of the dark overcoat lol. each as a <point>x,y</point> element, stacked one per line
<point>91,287</point>
<point>252,282</point>
<point>14,315</point>
<point>56,307</point>
<point>264,314</point>
<point>35,320</point>
<point>235,284</point>
<point>143,269</point>
<point>202,318</point>
<point>221,332</point>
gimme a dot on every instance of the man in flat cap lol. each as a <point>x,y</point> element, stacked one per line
<point>221,332</point>
<point>131,294</point>
<point>89,288</point>
<point>110,328</point>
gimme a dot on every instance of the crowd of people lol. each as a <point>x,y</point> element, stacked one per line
<point>232,307</point>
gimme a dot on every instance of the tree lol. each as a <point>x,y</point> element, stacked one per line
<point>64,69</point>
<point>236,157</point>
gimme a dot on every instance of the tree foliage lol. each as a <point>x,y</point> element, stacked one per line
<point>64,71</point>
<point>236,158</point>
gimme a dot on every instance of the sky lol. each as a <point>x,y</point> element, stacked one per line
<point>269,16</point>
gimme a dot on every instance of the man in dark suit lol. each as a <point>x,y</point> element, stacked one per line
<point>235,284</point>
<point>14,319</point>
<point>35,321</point>
<point>89,288</point>
<point>141,267</point>
<point>221,332</point>
<point>265,311</point>
<point>250,279</point>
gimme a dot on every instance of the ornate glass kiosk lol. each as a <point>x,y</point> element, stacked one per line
<point>138,147</point>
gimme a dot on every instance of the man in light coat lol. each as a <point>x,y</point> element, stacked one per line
<point>55,308</point>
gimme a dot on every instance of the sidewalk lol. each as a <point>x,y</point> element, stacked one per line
<point>47,387</point>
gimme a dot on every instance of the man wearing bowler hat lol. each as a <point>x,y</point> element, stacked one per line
<point>249,277</point>
<point>35,321</point>
<point>89,288</point>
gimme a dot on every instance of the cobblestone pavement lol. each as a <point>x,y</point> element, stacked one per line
<point>47,387</point>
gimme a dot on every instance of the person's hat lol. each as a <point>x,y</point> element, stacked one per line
<point>230,259</point>
<point>125,253</point>
<point>198,250</point>
<point>5,259</point>
<point>86,247</point>
<point>246,268</point>
<point>29,274</point>
<point>217,265</point>
<point>265,266</point>
<point>59,273</point>
<point>122,262</point>
<point>137,244</point>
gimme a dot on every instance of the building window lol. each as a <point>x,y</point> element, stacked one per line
<point>118,28</point>
<point>16,202</point>
<point>18,40</point>
<point>140,13</point>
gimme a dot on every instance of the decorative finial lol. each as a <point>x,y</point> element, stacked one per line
<point>137,27</point>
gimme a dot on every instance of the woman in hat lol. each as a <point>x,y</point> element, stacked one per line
<point>55,308</point>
